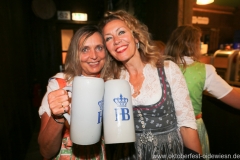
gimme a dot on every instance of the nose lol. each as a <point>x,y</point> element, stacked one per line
<point>93,54</point>
<point>117,41</point>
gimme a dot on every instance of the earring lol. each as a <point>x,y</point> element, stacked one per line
<point>138,45</point>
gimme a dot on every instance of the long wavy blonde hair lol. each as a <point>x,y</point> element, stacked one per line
<point>148,50</point>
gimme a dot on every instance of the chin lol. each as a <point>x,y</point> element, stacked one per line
<point>95,71</point>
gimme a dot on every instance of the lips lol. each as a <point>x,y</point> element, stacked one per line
<point>121,49</point>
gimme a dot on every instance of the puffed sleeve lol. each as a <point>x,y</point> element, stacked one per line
<point>214,84</point>
<point>52,85</point>
<point>182,102</point>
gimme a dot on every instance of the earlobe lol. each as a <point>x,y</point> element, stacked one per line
<point>137,45</point>
<point>136,40</point>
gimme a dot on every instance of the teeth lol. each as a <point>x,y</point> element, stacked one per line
<point>93,63</point>
<point>121,48</point>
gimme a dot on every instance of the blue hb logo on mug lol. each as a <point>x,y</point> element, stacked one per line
<point>122,111</point>
<point>100,104</point>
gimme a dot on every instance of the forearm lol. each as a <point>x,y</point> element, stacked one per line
<point>191,139</point>
<point>50,138</point>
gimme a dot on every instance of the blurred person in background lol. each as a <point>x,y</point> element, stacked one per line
<point>184,48</point>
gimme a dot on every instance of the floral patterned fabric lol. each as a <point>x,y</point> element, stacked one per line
<point>71,151</point>
<point>203,136</point>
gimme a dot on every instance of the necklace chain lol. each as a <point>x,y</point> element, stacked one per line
<point>138,84</point>
<point>136,91</point>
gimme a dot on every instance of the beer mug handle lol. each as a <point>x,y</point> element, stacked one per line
<point>66,115</point>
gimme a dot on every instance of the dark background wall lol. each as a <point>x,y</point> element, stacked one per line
<point>17,64</point>
<point>30,54</point>
<point>161,18</point>
<point>222,123</point>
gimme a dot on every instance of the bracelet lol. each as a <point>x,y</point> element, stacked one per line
<point>57,117</point>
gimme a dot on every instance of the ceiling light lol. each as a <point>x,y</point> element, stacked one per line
<point>79,16</point>
<point>203,2</point>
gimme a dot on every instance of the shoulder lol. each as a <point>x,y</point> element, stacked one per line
<point>57,81</point>
<point>58,75</point>
<point>170,64</point>
<point>172,71</point>
<point>210,68</point>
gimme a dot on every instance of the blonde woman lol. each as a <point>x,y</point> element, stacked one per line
<point>163,113</point>
<point>86,56</point>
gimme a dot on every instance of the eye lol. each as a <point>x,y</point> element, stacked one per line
<point>107,39</point>
<point>121,32</point>
<point>99,48</point>
<point>84,49</point>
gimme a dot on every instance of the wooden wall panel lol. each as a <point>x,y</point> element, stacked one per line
<point>221,26</point>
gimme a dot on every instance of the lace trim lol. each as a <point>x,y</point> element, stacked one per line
<point>150,87</point>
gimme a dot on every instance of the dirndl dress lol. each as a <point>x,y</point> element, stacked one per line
<point>203,136</point>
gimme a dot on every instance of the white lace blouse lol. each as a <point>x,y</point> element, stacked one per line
<point>151,91</point>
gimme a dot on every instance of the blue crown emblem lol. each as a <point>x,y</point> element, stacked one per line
<point>121,101</point>
<point>101,103</point>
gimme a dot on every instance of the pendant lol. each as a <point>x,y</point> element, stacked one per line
<point>135,94</point>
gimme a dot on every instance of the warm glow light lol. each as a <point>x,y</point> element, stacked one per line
<point>79,16</point>
<point>203,2</point>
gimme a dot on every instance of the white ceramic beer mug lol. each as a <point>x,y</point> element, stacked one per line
<point>118,120</point>
<point>86,110</point>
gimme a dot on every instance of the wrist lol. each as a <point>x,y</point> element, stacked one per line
<point>58,118</point>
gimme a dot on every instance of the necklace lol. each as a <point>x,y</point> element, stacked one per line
<point>137,84</point>
<point>136,80</point>
<point>136,92</point>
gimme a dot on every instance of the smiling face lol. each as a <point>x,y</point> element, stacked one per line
<point>119,40</point>
<point>92,55</point>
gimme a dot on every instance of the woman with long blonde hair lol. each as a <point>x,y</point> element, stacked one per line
<point>163,113</point>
